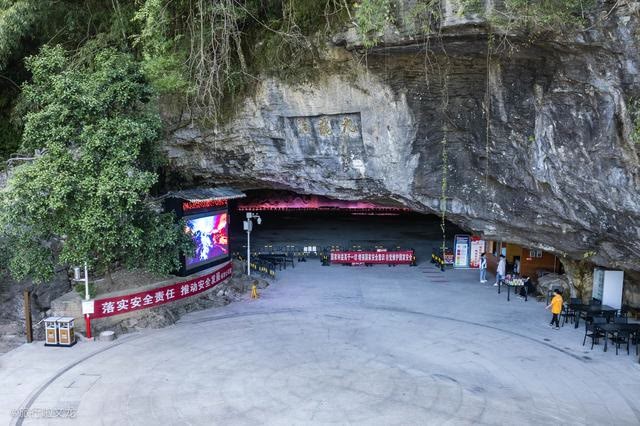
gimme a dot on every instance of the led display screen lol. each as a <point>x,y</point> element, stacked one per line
<point>210,235</point>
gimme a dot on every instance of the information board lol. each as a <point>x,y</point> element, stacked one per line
<point>477,248</point>
<point>461,251</point>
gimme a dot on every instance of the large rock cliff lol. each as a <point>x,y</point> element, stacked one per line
<point>536,133</point>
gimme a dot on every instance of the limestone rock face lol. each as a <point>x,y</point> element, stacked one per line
<point>537,136</point>
<point>12,318</point>
<point>549,282</point>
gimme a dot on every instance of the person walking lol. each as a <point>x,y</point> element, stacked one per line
<point>516,266</point>
<point>556,308</point>
<point>483,268</point>
<point>502,269</point>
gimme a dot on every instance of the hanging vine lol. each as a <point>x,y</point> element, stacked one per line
<point>214,44</point>
<point>444,154</point>
<point>427,16</point>
<point>212,51</point>
<point>487,113</point>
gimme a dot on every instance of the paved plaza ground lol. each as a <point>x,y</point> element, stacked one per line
<point>337,345</point>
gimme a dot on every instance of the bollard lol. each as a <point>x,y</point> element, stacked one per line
<point>87,326</point>
<point>107,336</point>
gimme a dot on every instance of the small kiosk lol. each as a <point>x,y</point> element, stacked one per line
<point>51,331</point>
<point>66,334</point>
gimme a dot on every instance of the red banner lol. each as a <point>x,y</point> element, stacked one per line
<point>385,257</point>
<point>159,296</point>
<point>202,204</point>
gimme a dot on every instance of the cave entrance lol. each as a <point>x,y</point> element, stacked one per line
<point>290,219</point>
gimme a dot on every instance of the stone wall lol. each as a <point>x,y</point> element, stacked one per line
<point>12,317</point>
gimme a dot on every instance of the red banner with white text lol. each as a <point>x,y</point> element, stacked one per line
<point>161,295</point>
<point>374,257</point>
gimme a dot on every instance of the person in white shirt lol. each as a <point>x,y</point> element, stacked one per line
<point>501,271</point>
<point>483,268</point>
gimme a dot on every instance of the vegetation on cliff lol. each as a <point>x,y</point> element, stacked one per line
<point>84,197</point>
<point>210,52</point>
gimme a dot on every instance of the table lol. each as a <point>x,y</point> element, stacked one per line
<point>509,284</point>
<point>613,328</point>
<point>592,310</point>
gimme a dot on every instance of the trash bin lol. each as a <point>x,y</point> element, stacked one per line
<point>51,331</point>
<point>66,334</point>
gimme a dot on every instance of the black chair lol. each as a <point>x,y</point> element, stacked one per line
<point>624,311</point>
<point>635,340</point>
<point>592,331</point>
<point>595,301</point>
<point>586,316</point>
<point>567,314</point>
<point>621,337</point>
<point>551,292</point>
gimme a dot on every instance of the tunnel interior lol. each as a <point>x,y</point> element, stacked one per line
<point>290,219</point>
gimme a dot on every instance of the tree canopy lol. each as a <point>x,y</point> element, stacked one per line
<point>85,195</point>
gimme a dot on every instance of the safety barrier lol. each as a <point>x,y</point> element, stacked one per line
<point>300,252</point>
<point>441,260</point>
<point>437,260</point>
<point>264,267</point>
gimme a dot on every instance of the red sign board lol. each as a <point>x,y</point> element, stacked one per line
<point>377,257</point>
<point>202,204</point>
<point>159,296</point>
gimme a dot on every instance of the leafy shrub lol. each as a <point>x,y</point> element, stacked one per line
<point>371,17</point>
<point>79,288</point>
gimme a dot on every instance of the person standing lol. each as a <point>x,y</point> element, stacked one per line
<point>502,269</point>
<point>483,268</point>
<point>556,308</point>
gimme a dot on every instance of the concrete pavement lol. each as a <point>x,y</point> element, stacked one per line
<point>337,345</point>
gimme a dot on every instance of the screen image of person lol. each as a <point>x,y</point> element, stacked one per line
<point>209,235</point>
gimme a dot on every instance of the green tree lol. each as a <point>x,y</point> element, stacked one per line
<point>85,196</point>
<point>17,18</point>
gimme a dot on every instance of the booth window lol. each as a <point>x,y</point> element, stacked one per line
<point>535,253</point>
